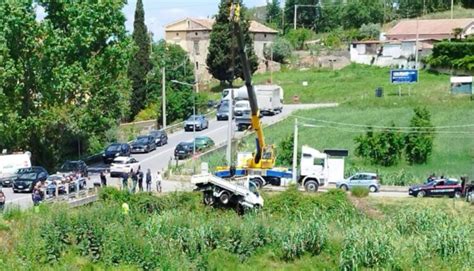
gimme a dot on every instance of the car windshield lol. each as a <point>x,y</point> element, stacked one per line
<point>120,161</point>
<point>28,176</point>
<point>431,183</point>
<point>241,105</point>
<point>113,148</point>
<point>192,118</point>
<point>69,166</point>
<point>142,140</point>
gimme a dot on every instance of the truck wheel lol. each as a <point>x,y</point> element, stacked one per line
<point>421,194</point>
<point>224,198</point>
<point>311,186</point>
<point>208,198</point>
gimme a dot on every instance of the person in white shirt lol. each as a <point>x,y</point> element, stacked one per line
<point>158,182</point>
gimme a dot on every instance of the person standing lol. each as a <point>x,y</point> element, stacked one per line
<point>158,182</point>
<point>124,181</point>
<point>36,197</point>
<point>134,181</point>
<point>140,179</point>
<point>148,180</point>
<point>2,201</point>
<point>103,179</point>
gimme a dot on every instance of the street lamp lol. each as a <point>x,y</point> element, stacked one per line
<point>194,110</point>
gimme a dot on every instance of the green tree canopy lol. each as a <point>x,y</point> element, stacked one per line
<point>223,60</point>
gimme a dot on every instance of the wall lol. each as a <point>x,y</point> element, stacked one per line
<point>262,40</point>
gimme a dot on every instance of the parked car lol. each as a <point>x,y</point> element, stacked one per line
<point>123,164</point>
<point>25,182</point>
<point>203,143</point>
<point>436,188</point>
<point>241,107</point>
<point>9,181</point>
<point>115,150</point>
<point>197,122</point>
<point>160,136</point>
<point>53,181</point>
<point>144,144</point>
<point>363,179</point>
<point>184,150</point>
<point>74,167</point>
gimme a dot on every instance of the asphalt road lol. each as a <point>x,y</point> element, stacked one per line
<point>162,156</point>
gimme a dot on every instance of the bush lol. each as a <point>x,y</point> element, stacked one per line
<point>419,142</point>
<point>369,31</point>
<point>281,50</point>
<point>298,37</point>
<point>151,112</point>
<point>360,192</point>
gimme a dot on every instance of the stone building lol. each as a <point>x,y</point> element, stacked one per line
<point>193,35</point>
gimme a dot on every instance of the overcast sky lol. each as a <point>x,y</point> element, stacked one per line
<point>159,13</point>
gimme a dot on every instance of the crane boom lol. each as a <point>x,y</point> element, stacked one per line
<point>264,156</point>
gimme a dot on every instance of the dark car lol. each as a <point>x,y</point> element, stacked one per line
<point>223,111</point>
<point>184,150</point>
<point>74,167</point>
<point>9,181</point>
<point>25,182</point>
<point>437,188</point>
<point>144,144</point>
<point>114,150</point>
<point>160,136</point>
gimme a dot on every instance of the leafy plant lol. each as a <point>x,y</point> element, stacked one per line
<point>360,192</point>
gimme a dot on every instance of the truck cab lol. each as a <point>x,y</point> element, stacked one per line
<point>313,169</point>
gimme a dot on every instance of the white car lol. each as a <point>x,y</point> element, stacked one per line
<point>123,164</point>
<point>241,107</point>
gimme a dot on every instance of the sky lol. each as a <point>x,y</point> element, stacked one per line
<point>159,13</point>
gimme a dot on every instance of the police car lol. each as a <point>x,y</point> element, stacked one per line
<point>437,188</point>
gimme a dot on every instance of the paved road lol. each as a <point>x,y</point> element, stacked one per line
<point>160,158</point>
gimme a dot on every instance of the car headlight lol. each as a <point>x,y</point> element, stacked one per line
<point>117,154</point>
<point>103,155</point>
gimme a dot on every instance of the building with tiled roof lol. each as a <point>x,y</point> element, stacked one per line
<point>430,29</point>
<point>193,35</point>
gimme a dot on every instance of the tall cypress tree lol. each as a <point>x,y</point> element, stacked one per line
<point>140,64</point>
<point>223,60</point>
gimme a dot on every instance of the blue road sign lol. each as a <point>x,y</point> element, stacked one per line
<point>403,76</point>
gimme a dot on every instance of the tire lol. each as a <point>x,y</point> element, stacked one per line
<point>311,186</point>
<point>421,194</point>
<point>208,198</point>
<point>372,189</point>
<point>224,198</point>
<point>457,194</point>
<point>470,196</point>
<point>344,187</point>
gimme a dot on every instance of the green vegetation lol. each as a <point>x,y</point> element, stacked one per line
<point>223,60</point>
<point>360,192</point>
<point>294,231</point>
<point>457,54</point>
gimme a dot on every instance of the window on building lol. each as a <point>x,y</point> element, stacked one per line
<point>197,65</point>
<point>196,47</point>
<point>177,34</point>
<point>195,33</point>
<point>264,35</point>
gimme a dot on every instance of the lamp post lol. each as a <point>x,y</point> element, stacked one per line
<point>194,85</point>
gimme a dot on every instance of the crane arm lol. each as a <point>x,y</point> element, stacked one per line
<point>256,124</point>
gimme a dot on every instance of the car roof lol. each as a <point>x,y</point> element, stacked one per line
<point>366,173</point>
<point>121,158</point>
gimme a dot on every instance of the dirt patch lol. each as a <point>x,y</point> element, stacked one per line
<point>364,206</point>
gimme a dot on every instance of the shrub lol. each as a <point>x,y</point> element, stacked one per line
<point>360,192</point>
<point>298,37</point>
<point>419,142</point>
<point>369,31</point>
<point>281,50</point>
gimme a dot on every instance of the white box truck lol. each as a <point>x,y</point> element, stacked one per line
<point>268,100</point>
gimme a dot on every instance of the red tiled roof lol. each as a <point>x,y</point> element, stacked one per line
<point>429,27</point>
<point>255,26</point>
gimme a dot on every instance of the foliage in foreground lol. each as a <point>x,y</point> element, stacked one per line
<point>177,232</point>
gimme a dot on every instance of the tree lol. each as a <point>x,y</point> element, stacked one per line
<point>369,31</point>
<point>140,64</point>
<point>279,51</point>
<point>178,67</point>
<point>298,37</point>
<point>285,151</point>
<point>329,18</point>
<point>273,12</point>
<point>223,60</point>
<point>457,32</point>
<point>419,142</point>
<point>355,14</point>
<point>305,16</point>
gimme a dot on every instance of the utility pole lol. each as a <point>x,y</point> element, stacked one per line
<point>416,44</point>
<point>163,96</point>
<point>452,8</point>
<point>229,129</point>
<point>271,64</point>
<point>295,151</point>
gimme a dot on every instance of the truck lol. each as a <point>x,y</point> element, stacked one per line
<point>268,98</point>
<point>240,194</point>
<point>10,163</point>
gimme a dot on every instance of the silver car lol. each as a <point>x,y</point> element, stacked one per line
<point>196,122</point>
<point>363,179</point>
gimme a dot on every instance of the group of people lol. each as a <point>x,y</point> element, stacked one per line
<point>133,178</point>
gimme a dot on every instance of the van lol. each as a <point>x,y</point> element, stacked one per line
<point>10,163</point>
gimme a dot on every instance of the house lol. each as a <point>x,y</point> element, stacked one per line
<point>430,29</point>
<point>392,53</point>
<point>193,35</point>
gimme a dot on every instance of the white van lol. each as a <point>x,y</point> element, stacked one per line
<point>10,163</point>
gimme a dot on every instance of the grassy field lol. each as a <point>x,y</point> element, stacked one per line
<point>294,231</point>
<point>353,87</point>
